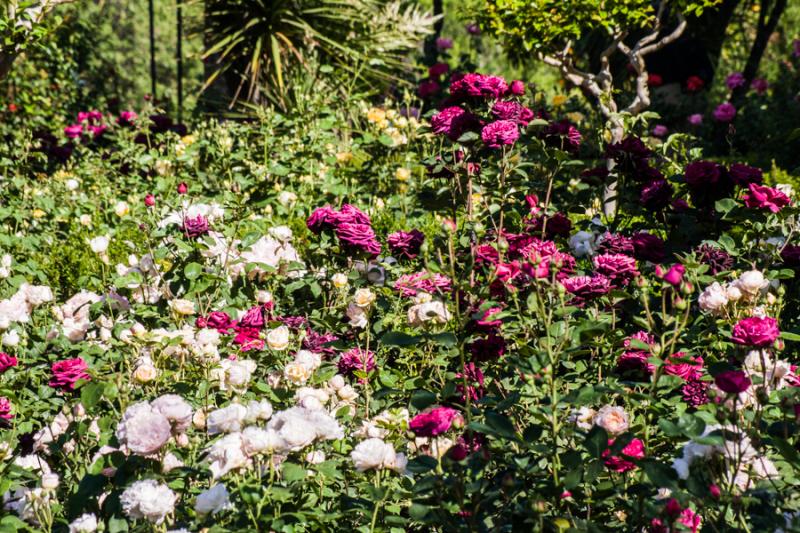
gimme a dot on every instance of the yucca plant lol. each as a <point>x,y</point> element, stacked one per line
<point>258,44</point>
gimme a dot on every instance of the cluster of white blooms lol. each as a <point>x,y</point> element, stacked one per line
<point>58,426</point>
<point>302,367</point>
<point>18,308</point>
<point>85,523</point>
<point>234,375</point>
<point>743,463</point>
<point>333,396</point>
<point>74,315</point>
<point>144,278</point>
<point>211,212</point>
<point>357,310</point>
<point>29,503</point>
<point>427,310</point>
<point>274,251</point>
<point>381,426</point>
<point>147,426</point>
<point>287,431</point>
<point>376,454</point>
<point>148,500</point>
<point>746,288</point>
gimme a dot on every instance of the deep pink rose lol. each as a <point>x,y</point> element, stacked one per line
<point>619,268</point>
<point>438,69</point>
<point>763,197</point>
<point>500,133</point>
<point>756,331</point>
<point>356,238</point>
<point>685,367</point>
<point>318,342</point>
<point>647,247</point>
<point>7,361</point>
<point>695,393</point>
<point>615,243</point>
<point>635,363</point>
<point>321,218</point>
<point>478,85</point>
<point>126,118</point>
<point>195,227</point>
<point>253,318</point>
<point>734,80</point>
<point>411,284</point>
<point>514,111</point>
<point>219,320</point>
<point>356,360</point>
<point>732,381</point>
<point>744,175</point>
<point>67,373</point>
<point>352,215</point>
<point>517,88</point>
<point>73,131</point>
<point>5,409</point>
<point>673,276</point>
<point>406,244</point>
<point>434,422</point>
<point>724,112</point>
<point>621,463</point>
<point>656,194</point>
<point>454,122</point>
<point>585,288</point>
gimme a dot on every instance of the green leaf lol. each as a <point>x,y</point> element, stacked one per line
<point>397,338</point>
<point>292,472</point>
<point>660,474</point>
<point>193,271</point>
<point>500,425</point>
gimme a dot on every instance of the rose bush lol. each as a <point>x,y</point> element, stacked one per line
<point>397,320</point>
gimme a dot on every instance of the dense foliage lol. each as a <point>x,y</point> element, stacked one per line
<point>399,314</point>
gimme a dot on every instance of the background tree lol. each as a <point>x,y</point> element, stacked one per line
<point>551,29</point>
<point>21,25</point>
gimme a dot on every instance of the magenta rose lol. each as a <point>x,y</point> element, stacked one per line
<point>695,393</point>
<point>68,372</point>
<point>647,247</point>
<point>635,363</point>
<point>587,287</point>
<point>253,318</point>
<point>318,342</point>
<point>685,367</point>
<point>517,88</point>
<point>5,409</point>
<point>622,463</point>
<point>744,175</point>
<point>619,268</point>
<point>500,133</point>
<point>406,244</point>
<point>474,85</point>
<point>219,320</point>
<point>717,259</point>
<point>614,243</point>
<point>350,214</point>
<point>656,194</point>
<point>434,422</point>
<point>321,218</point>
<point>756,331</point>
<point>358,238</point>
<point>411,284</point>
<point>673,276</point>
<point>356,360</point>
<point>509,110</point>
<point>6,362</point>
<point>453,122</point>
<point>732,381</point>
<point>248,338</point>
<point>735,80</point>
<point>763,197</point>
<point>724,112</point>
<point>195,227</point>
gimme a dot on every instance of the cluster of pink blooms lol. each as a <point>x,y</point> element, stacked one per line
<point>350,225</point>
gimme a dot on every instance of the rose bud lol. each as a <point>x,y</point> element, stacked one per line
<point>183,188</point>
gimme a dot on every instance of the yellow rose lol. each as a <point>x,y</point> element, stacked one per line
<point>364,298</point>
<point>559,100</point>
<point>38,213</point>
<point>376,115</point>
<point>402,174</point>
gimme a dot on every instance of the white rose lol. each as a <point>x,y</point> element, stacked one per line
<point>143,430</point>
<point>85,523</point>
<point>751,283</point>
<point>182,307</point>
<point>785,188</point>
<point>278,338</point>
<point>733,292</point>
<point>145,371</point>
<point>85,220</point>
<point>337,382</point>
<point>347,393</point>
<point>372,454</point>
<point>582,243</point>
<point>49,481</point>
<point>171,462</point>
<point>714,298</point>
<point>286,197</point>
<point>176,410</point>
<point>339,280</point>
<point>72,184</point>
<point>282,233</point>
<point>121,209</point>
<point>363,298</point>
<point>99,245</point>
<point>310,359</point>
<point>148,500</point>
<point>613,419</point>
<point>226,420</point>
<point>357,316</point>
<point>297,373</point>
<point>583,418</point>
<point>258,410</point>
<point>11,338</point>
<point>263,297</point>
<point>433,311</point>
<point>212,501</point>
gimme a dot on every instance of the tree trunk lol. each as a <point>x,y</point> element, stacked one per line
<point>767,22</point>
<point>431,52</point>
<point>6,60</point>
<point>610,190</point>
<point>711,27</point>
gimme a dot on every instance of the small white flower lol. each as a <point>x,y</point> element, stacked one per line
<point>85,220</point>
<point>85,523</point>
<point>11,338</point>
<point>99,245</point>
<point>357,316</point>
<point>363,298</point>
<point>582,243</point>
<point>613,419</point>
<point>339,280</point>
<point>148,500</point>
<point>182,307</point>
<point>278,338</point>
<point>713,299</point>
<point>71,184</point>
<point>122,209</point>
